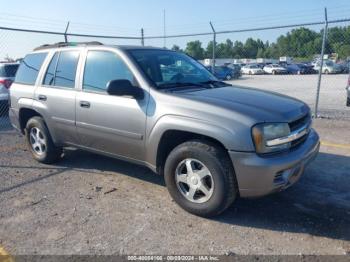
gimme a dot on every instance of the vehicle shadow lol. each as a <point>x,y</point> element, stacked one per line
<point>78,159</point>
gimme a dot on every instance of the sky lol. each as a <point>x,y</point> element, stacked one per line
<point>126,18</point>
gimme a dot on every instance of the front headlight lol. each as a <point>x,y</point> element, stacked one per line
<point>262,133</point>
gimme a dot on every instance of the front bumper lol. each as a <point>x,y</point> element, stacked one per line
<point>262,175</point>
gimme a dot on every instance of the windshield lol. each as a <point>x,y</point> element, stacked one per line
<point>168,68</point>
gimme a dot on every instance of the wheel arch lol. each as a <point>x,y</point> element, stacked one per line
<point>171,131</point>
<point>24,114</point>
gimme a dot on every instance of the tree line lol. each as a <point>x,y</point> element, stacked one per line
<point>301,43</point>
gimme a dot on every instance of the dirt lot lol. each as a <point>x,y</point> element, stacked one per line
<point>89,204</point>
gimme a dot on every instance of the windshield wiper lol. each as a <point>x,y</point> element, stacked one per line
<point>180,84</point>
<point>215,83</point>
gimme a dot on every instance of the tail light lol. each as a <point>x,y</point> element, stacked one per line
<point>6,83</point>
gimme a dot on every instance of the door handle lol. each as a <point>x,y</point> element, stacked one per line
<point>84,104</point>
<point>42,97</point>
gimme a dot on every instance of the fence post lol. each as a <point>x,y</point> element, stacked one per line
<point>65,33</point>
<point>321,64</point>
<point>142,37</point>
<point>214,46</point>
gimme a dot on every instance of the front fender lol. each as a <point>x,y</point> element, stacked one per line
<point>228,138</point>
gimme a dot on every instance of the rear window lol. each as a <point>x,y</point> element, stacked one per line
<point>29,69</point>
<point>8,70</point>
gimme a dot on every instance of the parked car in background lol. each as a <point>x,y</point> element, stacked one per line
<point>345,66</point>
<point>252,70</point>
<point>300,69</point>
<point>348,91</point>
<point>7,75</point>
<point>234,66</point>
<point>262,65</point>
<point>329,67</point>
<point>275,69</point>
<point>225,72</point>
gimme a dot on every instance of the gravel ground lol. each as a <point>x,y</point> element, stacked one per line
<point>332,95</point>
<point>89,204</point>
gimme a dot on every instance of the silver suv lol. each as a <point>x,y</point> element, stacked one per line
<point>162,109</point>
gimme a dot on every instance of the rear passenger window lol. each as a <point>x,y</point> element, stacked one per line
<point>29,68</point>
<point>102,67</point>
<point>62,69</point>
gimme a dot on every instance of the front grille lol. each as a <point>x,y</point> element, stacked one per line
<point>305,120</point>
<point>297,124</point>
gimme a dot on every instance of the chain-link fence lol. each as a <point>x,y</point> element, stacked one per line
<point>307,61</point>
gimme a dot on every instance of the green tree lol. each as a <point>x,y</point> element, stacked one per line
<point>176,48</point>
<point>237,50</point>
<point>195,49</point>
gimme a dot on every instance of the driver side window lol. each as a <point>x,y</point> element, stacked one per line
<point>102,67</point>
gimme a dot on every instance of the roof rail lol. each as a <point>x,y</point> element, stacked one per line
<point>64,44</point>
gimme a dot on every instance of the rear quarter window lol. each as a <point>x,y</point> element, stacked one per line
<point>29,69</point>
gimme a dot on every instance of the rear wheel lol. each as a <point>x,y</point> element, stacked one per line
<point>40,142</point>
<point>273,72</point>
<point>200,178</point>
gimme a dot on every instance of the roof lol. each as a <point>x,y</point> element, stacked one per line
<point>64,44</point>
<point>94,43</point>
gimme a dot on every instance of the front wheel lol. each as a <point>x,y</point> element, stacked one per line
<point>40,142</point>
<point>200,178</point>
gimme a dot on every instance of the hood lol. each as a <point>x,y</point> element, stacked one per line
<point>261,106</point>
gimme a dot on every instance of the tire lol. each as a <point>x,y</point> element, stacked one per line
<point>228,77</point>
<point>250,72</point>
<point>40,143</point>
<point>273,72</point>
<point>221,174</point>
<point>326,72</point>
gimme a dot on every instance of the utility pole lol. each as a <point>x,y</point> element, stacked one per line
<point>214,47</point>
<point>164,28</point>
<point>321,62</point>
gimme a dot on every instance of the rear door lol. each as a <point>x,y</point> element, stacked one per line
<point>55,95</point>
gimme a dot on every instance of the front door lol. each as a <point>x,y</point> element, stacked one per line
<point>111,124</point>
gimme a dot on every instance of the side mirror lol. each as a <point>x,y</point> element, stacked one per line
<point>123,87</point>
